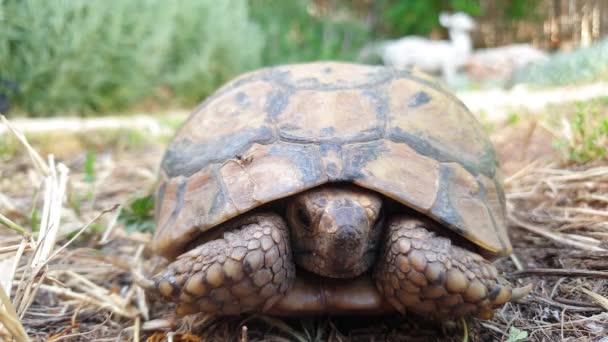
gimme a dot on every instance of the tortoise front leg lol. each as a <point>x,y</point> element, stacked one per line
<point>249,269</point>
<point>426,274</point>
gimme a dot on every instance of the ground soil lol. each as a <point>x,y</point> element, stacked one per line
<point>557,217</point>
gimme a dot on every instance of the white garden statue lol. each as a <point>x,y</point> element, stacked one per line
<point>433,56</point>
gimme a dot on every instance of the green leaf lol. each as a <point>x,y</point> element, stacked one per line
<point>517,335</point>
<point>139,215</point>
<point>142,206</point>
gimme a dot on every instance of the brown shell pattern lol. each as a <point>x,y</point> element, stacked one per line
<point>279,131</point>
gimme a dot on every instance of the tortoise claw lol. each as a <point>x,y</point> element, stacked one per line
<point>428,275</point>
<point>520,292</point>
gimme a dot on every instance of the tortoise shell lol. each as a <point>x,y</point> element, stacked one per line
<point>278,131</point>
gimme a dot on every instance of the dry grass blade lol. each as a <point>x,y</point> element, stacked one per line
<point>54,188</point>
<point>556,237</point>
<point>55,185</point>
<point>9,318</point>
<point>7,277</point>
<point>551,200</point>
<point>36,159</point>
<point>559,272</point>
<point>33,275</point>
<point>82,230</point>
<point>601,300</point>
<point>89,299</point>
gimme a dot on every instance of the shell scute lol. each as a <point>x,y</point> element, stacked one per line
<point>382,168</point>
<point>336,116</point>
<point>439,126</point>
<point>279,131</point>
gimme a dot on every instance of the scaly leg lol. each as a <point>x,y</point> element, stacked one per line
<point>249,269</point>
<point>426,274</point>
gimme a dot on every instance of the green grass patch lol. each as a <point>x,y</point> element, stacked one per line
<point>580,128</point>
<point>585,136</point>
<point>293,34</point>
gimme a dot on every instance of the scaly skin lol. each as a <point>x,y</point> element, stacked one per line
<point>426,274</point>
<point>249,269</point>
<point>334,233</point>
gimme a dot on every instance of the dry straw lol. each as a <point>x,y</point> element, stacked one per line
<point>33,275</point>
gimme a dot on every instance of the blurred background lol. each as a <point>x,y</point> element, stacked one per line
<point>84,58</point>
<point>99,88</point>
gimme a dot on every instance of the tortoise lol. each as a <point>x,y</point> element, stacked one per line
<point>332,188</point>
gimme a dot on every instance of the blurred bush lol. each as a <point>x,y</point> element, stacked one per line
<point>395,18</point>
<point>82,56</point>
<point>580,65</point>
<point>296,32</point>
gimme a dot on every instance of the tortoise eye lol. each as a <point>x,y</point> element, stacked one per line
<point>302,217</point>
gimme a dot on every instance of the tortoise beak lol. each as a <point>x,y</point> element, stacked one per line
<point>349,232</point>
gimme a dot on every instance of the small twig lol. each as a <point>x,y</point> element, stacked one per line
<point>518,265</point>
<point>158,324</point>
<point>572,308</point>
<point>559,272</point>
<point>575,302</point>
<point>244,335</point>
<point>139,291</point>
<point>556,237</point>
<point>601,317</point>
<point>85,227</point>
<point>521,172</point>
<point>14,248</point>
<point>587,211</point>
<point>492,327</point>
<point>601,300</point>
<point>137,329</point>
<point>89,299</point>
<point>70,337</point>
<point>110,228</point>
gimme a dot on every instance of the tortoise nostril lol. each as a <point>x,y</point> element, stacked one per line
<point>348,234</point>
<point>348,247</point>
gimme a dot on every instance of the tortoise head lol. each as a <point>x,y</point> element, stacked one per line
<point>335,229</point>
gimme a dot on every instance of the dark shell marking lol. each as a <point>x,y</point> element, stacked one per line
<point>279,131</point>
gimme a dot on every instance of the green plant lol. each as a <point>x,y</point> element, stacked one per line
<point>89,167</point>
<point>516,334</point>
<point>585,135</point>
<point>293,34</point>
<point>396,18</point>
<point>513,118</point>
<point>139,214</point>
<point>83,56</point>
<point>399,18</point>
